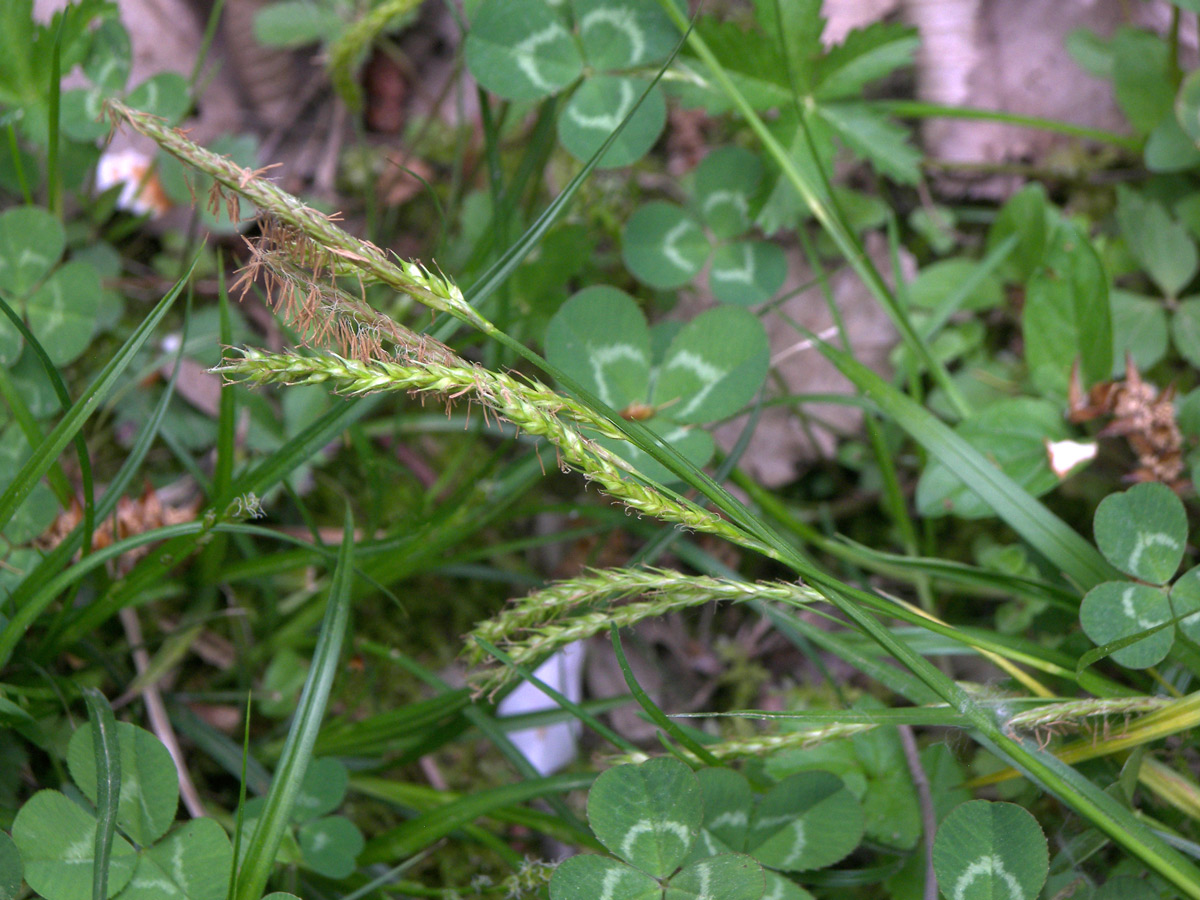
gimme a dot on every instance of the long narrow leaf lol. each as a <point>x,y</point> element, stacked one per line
<point>417,834</point>
<point>297,752</point>
<point>47,452</point>
<point>1044,531</point>
<point>108,786</point>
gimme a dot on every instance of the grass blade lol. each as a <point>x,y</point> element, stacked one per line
<point>1044,531</point>
<point>417,834</point>
<point>108,786</point>
<point>285,786</point>
<point>47,452</point>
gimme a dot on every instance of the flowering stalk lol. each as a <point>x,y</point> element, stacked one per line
<point>545,620</point>
<point>533,408</point>
<point>317,241</point>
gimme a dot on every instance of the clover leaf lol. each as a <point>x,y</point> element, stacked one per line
<point>648,816</point>
<point>985,849</point>
<point>665,245</point>
<point>328,845</point>
<point>60,302</point>
<point>55,835</point>
<point>704,371</point>
<point>531,49</point>
<point>1143,532</point>
<point>807,821</point>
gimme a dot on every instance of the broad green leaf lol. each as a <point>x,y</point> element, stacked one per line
<point>1185,600</point>
<point>166,94</point>
<point>323,789</point>
<point>990,851</point>
<point>330,846</point>
<point>647,814</point>
<point>82,115</point>
<point>16,43</point>
<point>40,507</point>
<point>794,28</point>
<point>747,273</point>
<point>866,55</point>
<point>521,49</point>
<point>731,876</point>
<point>1142,78</point>
<point>623,34</point>
<point>282,683</point>
<point>1139,329</point>
<point>876,138</point>
<point>56,839</point>
<point>761,76</point>
<point>1120,609</point>
<point>780,888</point>
<point>1091,52</point>
<point>1067,315</point>
<point>598,107</point>
<point>1185,330</point>
<point>294,23</point>
<point>599,339</point>
<point>11,870</point>
<point>31,241</point>
<point>725,183</point>
<point>714,366</point>
<point>1011,434</point>
<point>937,281</point>
<point>590,877</point>
<point>663,246</point>
<point>728,803</point>
<point>890,811</point>
<point>1143,531</point>
<point>149,782</point>
<point>1187,106</point>
<point>190,863</point>
<point>1168,149</point>
<point>62,311</point>
<point>1024,215</point>
<point>807,821</point>
<point>1187,412</point>
<point>109,57</point>
<point>1157,241</point>
<point>812,154</point>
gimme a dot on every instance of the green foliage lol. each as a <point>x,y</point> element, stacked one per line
<point>59,300</point>
<point>55,835</point>
<point>1142,532</point>
<point>1012,433</point>
<point>790,64</point>
<point>680,834</point>
<point>665,245</point>
<point>532,49</point>
<point>672,380</point>
<point>985,850</point>
<point>911,653</point>
<point>347,30</point>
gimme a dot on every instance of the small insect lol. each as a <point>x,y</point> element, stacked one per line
<point>638,412</point>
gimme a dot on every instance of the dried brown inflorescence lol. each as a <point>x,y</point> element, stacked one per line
<point>1140,414</point>
<point>299,278</point>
